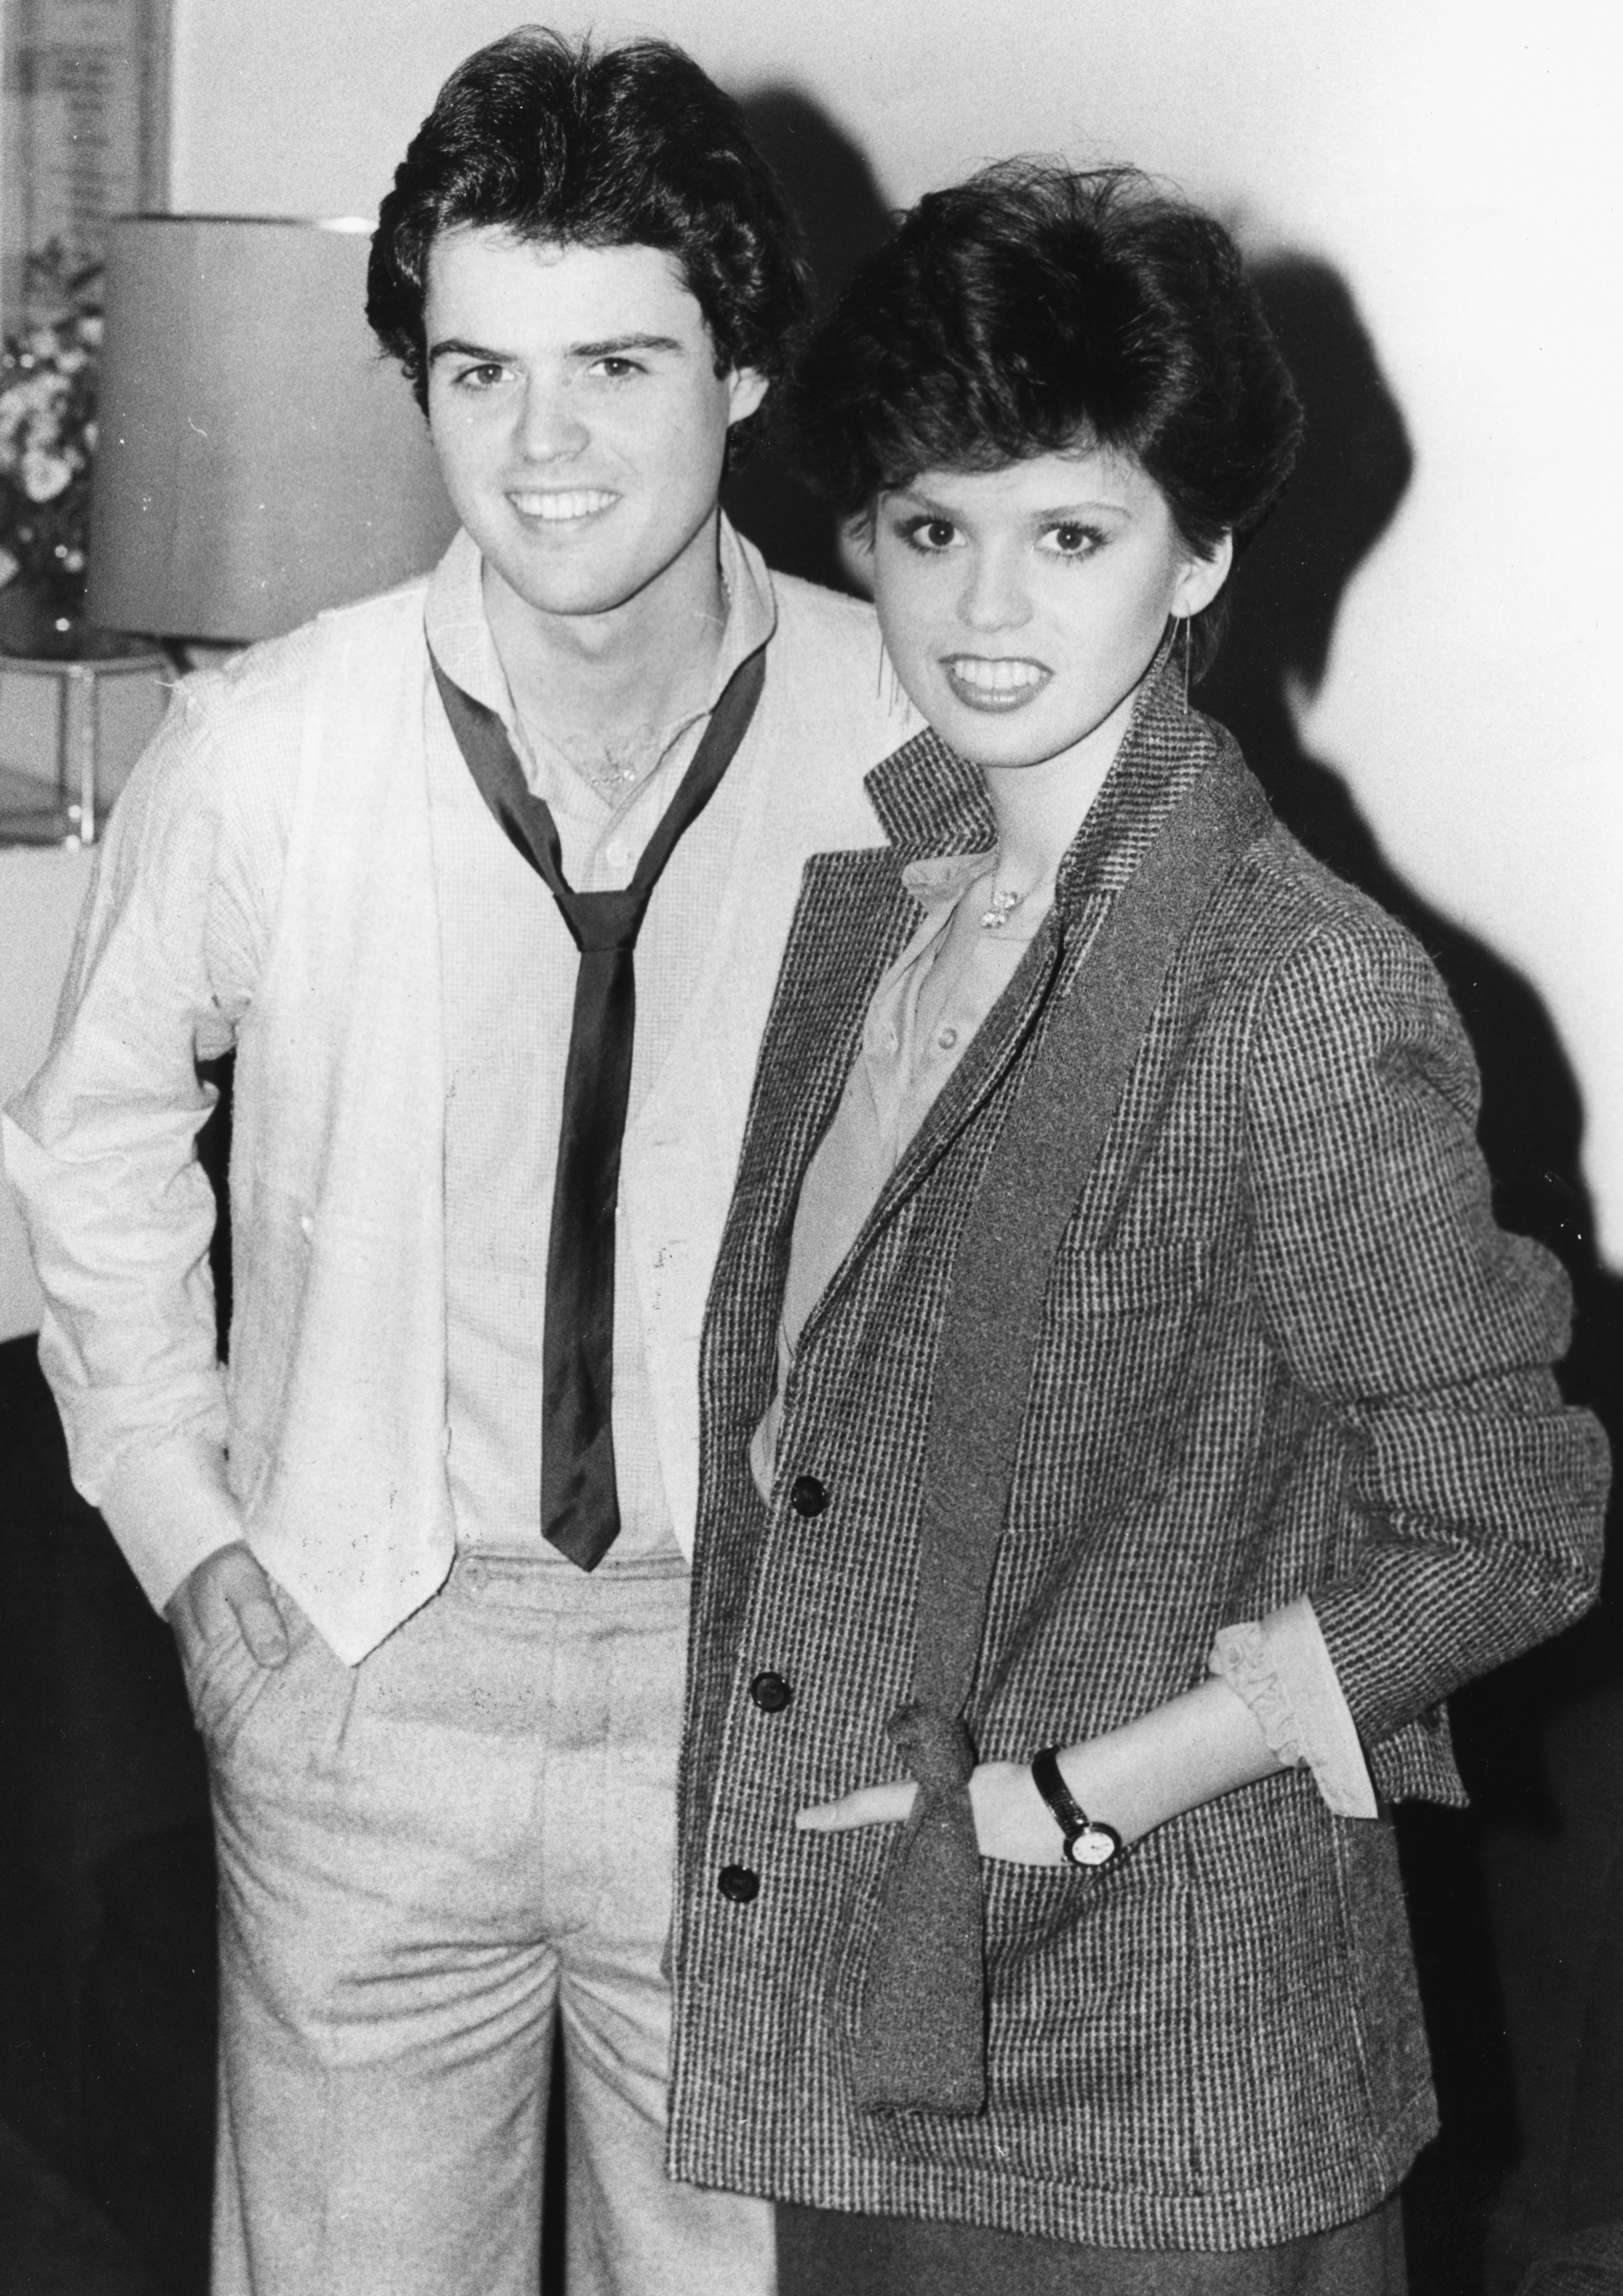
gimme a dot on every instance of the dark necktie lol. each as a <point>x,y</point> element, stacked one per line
<point>579,1499</point>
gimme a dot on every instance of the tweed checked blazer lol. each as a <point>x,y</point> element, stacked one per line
<point>1284,1350</point>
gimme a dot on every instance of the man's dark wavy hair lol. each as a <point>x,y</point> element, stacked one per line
<point>1033,310</point>
<point>560,144</point>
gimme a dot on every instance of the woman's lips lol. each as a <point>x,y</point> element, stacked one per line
<point>995,683</point>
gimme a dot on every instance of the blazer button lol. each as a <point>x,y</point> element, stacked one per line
<point>737,1884</point>
<point>770,1693</point>
<point>807,1496</point>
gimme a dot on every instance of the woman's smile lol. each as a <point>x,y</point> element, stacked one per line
<point>995,683</point>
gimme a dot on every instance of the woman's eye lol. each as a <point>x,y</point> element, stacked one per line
<point>1071,541</point>
<point>930,535</point>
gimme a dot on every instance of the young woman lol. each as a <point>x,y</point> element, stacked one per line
<point>1126,1423</point>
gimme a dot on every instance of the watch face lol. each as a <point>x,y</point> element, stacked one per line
<point>1093,1845</point>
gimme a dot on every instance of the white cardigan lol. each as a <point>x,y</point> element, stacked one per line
<point>326,1449</point>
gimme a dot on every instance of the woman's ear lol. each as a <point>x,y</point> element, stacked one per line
<point>856,541</point>
<point>1203,578</point>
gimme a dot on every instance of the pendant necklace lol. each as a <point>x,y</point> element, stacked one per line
<point>1003,907</point>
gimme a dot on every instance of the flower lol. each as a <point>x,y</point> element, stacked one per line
<point>47,431</point>
<point>44,477</point>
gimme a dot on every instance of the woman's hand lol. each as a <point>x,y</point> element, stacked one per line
<point>1179,1755</point>
<point>1011,1819</point>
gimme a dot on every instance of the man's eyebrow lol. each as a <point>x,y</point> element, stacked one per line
<point>610,347</point>
<point>453,346</point>
<point>613,345</point>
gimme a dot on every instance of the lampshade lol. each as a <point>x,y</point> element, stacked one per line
<point>257,459</point>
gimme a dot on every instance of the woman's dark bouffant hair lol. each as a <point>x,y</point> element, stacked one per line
<point>631,146</point>
<point>1030,310</point>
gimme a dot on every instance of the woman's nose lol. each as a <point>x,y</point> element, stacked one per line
<point>993,597</point>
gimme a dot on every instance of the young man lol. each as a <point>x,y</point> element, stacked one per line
<point>423,1548</point>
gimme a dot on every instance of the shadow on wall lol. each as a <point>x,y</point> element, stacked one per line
<point>1510,1900</point>
<point>831,188</point>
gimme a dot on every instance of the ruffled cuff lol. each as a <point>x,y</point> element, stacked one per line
<point>1280,1666</point>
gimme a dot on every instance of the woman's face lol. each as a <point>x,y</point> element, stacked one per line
<point>1021,607</point>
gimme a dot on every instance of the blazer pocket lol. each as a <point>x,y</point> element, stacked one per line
<point>1142,1279</point>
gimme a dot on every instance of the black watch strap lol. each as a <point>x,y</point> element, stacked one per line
<point>1088,1841</point>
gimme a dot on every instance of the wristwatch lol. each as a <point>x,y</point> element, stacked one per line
<point>1088,1841</point>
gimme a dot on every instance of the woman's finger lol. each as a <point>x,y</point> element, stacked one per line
<point>867,1806</point>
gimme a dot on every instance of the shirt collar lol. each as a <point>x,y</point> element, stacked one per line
<point>459,634</point>
<point>939,880</point>
<point>931,802</point>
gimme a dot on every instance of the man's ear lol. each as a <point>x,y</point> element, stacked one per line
<point>1203,578</point>
<point>747,387</point>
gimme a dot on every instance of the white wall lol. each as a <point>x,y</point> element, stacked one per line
<point>1456,163</point>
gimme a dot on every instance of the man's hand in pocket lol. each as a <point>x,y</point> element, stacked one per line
<point>229,1587</point>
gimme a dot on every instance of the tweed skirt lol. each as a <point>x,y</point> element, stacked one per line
<point>822,2248</point>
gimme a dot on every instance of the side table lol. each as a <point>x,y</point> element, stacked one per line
<point>70,731</point>
<point>41,890</point>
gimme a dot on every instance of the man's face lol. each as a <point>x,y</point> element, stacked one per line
<point>577,416</point>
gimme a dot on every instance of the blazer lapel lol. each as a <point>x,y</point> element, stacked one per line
<point>852,920</point>
<point>930,801</point>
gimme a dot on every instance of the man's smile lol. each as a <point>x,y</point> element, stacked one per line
<point>558,506</point>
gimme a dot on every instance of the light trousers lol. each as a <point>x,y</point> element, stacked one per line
<point>423,1861</point>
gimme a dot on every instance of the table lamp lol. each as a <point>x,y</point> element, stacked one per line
<point>257,459</point>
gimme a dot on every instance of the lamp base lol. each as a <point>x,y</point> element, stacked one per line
<point>35,627</point>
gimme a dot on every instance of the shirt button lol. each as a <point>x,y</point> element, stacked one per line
<point>947,1039</point>
<point>770,1693</point>
<point>737,1884</point>
<point>807,1496</point>
<point>615,855</point>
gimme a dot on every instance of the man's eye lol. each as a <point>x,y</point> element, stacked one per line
<point>615,370</point>
<point>483,377</point>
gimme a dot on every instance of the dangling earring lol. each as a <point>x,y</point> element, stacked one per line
<point>888,686</point>
<point>1188,648</point>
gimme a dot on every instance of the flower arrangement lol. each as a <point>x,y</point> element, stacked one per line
<point>47,438</point>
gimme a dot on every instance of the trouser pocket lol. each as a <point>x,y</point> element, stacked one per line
<point>226,1684</point>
